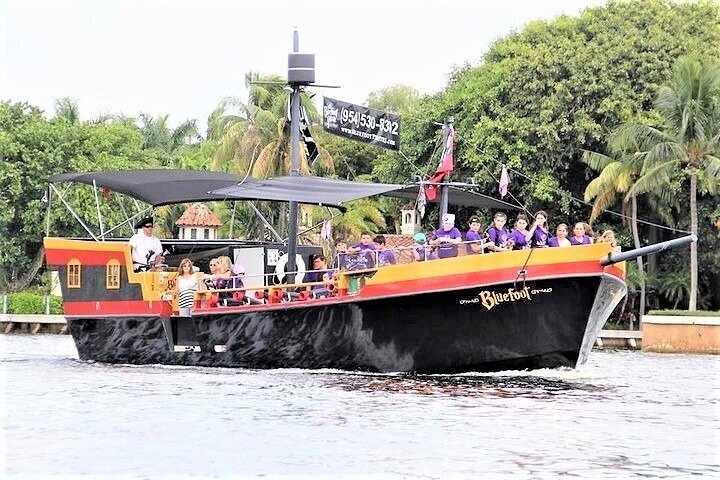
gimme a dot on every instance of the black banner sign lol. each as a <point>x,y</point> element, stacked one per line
<point>361,123</point>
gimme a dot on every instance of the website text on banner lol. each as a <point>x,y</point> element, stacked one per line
<point>361,123</point>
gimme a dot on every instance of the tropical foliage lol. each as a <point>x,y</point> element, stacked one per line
<point>540,99</point>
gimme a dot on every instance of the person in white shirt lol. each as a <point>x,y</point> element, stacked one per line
<point>146,248</point>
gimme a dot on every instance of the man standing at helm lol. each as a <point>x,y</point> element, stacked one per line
<point>146,248</point>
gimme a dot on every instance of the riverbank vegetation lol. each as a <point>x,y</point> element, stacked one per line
<point>552,102</point>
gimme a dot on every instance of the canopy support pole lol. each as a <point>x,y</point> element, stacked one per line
<point>267,224</point>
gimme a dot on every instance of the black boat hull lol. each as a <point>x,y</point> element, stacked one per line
<point>541,324</point>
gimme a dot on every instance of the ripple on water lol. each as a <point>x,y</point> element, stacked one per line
<point>625,414</point>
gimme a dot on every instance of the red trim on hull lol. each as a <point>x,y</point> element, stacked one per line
<point>123,308</point>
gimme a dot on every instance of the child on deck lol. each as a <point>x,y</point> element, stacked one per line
<point>499,236</point>
<point>539,232</point>
<point>385,255</point>
<point>579,237</point>
<point>560,238</point>
<point>447,237</point>
<point>421,250</point>
<point>473,237</point>
<point>520,233</point>
<point>365,250</point>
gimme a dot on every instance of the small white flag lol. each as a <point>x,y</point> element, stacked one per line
<point>326,231</point>
<point>504,182</point>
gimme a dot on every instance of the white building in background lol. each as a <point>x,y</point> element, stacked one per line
<point>198,222</point>
<point>410,221</point>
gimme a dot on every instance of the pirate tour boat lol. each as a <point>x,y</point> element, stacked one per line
<point>522,309</point>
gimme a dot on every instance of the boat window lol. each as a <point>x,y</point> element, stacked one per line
<point>73,273</point>
<point>193,233</point>
<point>112,275</point>
<point>206,234</point>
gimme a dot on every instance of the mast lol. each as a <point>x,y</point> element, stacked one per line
<point>301,71</point>
<point>447,125</point>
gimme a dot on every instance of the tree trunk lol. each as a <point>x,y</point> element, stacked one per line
<point>23,281</point>
<point>636,238</point>
<point>692,304</point>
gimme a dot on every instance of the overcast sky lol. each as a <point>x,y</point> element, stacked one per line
<point>181,57</point>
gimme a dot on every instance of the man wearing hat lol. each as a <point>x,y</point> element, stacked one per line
<point>474,237</point>
<point>447,237</point>
<point>146,248</point>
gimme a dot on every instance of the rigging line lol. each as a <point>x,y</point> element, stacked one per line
<point>583,202</point>
<point>252,162</point>
<point>417,169</point>
<point>522,272</point>
<point>517,202</point>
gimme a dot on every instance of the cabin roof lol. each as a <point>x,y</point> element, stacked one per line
<point>198,215</point>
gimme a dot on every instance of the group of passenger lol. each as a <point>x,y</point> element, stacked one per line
<point>370,252</point>
<point>445,241</point>
<point>223,275</point>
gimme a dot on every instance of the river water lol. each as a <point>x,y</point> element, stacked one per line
<point>623,415</point>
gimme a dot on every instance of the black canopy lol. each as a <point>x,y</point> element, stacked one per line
<point>165,187</point>
<point>305,189</point>
<point>157,187</point>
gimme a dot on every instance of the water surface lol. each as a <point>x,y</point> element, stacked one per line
<point>624,415</point>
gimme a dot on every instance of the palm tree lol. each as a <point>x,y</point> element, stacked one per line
<point>687,142</point>
<point>362,216</point>
<point>177,147</point>
<point>255,140</point>
<point>616,178</point>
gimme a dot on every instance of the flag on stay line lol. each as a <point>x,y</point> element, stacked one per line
<point>504,182</point>
<point>326,231</point>
<point>421,201</point>
<point>445,165</point>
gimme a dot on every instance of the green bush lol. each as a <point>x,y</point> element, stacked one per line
<point>28,303</point>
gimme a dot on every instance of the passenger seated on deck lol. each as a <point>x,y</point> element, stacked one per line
<point>499,236</point>
<point>340,254</point>
<point>385,256</point>
<point>608,236</point>
<point>473,237</point>
<point>365,250</point>
<point>223,272</point>
<point>146,247</point>
<point>560,239</point>
<point>421,250</point>
<point>579,237</point>
<point>539,232</point>
<point>320,273</point>
<point>447,237</point>
<point>520,232</point>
